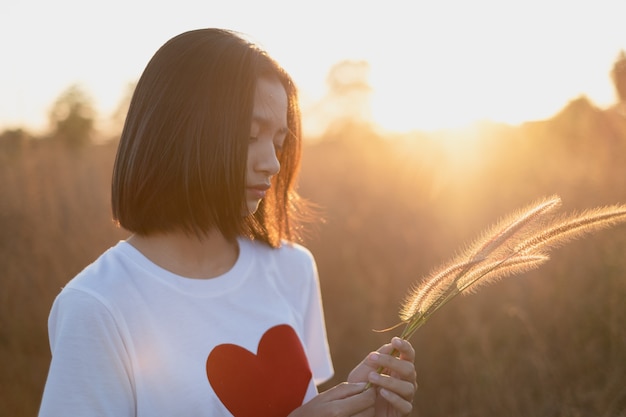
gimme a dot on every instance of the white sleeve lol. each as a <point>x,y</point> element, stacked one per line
<point>90,371</point>
<point>316,341</point>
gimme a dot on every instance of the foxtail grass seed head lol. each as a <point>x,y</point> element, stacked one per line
<point>493,272</point>
<point>523,220</point>
<point>423,296</point>
<point>573,227</point>
<point>513,246</point>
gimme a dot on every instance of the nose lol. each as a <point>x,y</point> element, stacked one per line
<point>267,160</point>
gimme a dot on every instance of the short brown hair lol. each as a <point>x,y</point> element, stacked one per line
<point>181,160</point>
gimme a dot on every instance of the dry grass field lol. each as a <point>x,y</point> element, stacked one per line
<point>550,343</point>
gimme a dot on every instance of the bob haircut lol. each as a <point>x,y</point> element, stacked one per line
<point>181,160</point>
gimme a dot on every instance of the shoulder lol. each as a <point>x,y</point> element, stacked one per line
<point>288,254</point>
<point>96,296</point>
<point>295,251</point>
<point>104,276</point>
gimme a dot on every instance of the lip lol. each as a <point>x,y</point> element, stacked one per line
<point>258,190</point>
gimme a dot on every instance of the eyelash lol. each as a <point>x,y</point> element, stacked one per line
<point>278,148</point>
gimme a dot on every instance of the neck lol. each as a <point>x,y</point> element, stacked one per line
<point>188,255</point>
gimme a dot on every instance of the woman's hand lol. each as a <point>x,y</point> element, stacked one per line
<point>343,400</point>
<point>390,396</point>
<point>396,387</point>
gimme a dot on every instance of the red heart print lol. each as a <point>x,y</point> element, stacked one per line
<point>271,383</point>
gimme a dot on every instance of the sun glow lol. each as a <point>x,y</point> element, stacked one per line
<point>433,65</point>
<point>423,97</point>
<point>452,64</point>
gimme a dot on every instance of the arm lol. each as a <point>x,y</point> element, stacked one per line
<point>89,374</point>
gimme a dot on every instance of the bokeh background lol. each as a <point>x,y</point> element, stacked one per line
<point>396,203</point>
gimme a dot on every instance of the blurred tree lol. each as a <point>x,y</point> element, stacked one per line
<point>72,117</point>
<point>349,88</point>
<point>13,141</point>
<point>618,73</point>
<point>347,99</point>
<point>13,136</point>
<point>349,76</point>
<point>119,114</point>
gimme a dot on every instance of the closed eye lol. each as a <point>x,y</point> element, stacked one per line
<point>281,137</point>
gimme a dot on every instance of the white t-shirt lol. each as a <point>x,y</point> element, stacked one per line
<point>129,338</point>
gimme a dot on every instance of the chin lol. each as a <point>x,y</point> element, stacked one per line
<point>252,207</point>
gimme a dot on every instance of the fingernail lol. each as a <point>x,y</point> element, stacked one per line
<point>374,377</point>
<point>374,356</point>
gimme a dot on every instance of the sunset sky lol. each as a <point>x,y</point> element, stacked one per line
<point>433,64</point>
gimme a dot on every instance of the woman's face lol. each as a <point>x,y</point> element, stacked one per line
<point>267,135</point>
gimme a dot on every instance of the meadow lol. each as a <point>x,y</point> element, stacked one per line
<point>549,343</point>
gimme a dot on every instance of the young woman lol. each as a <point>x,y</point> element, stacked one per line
<point>209,308</point>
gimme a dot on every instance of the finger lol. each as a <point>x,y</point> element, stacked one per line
<point>404,389</point>
<point>403,406</point>
<point>404,347</point>
<point>407,352</point>
<point>368,364</point>
<point>341,391</point>
<point>341,400</point>
<point>355,404</point>
<point>393,366</point>
<point>372,361</point>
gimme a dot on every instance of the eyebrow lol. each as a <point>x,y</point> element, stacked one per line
<point>263,121</point>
